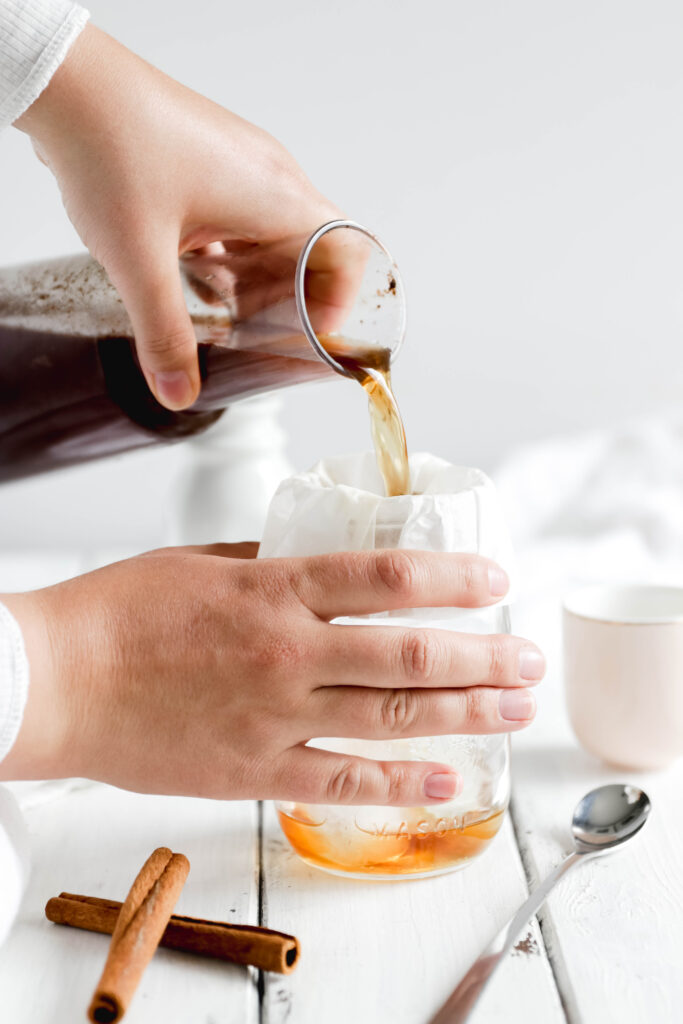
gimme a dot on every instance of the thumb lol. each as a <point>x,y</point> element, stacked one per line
<point>164,335</point>
<point>320,777</point>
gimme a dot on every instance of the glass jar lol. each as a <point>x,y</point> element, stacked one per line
<point>393,842</point>
<point>336,507</point>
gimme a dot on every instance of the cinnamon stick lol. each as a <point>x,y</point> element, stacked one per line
<point>139,926</point>
<point>241,944</point>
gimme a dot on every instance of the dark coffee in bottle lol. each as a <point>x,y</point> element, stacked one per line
<point>66,399</point>
<point>71,388</point>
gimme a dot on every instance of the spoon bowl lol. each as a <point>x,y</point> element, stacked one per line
<point>607,816</point>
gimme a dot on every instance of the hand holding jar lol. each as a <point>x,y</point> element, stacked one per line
<point>205,672</point>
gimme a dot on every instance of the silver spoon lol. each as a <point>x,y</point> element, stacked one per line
<point>603,820</point>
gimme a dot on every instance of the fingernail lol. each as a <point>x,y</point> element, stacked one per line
<point>516,705</point>
<point>173,388</point>
<point>531,664</point>
<point>441,785</point>
<point>499,583</point>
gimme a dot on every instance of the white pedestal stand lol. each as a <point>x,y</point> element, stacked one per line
<point>230,474</point>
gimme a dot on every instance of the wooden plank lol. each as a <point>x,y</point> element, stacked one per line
<point>393,951</point>
<point>614,927</point>
<point>94,841</point>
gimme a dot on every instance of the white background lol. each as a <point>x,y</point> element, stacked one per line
<point>524,163</point>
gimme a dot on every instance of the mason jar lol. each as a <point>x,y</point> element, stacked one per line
<point>390,842</point>
<point>336,507</point>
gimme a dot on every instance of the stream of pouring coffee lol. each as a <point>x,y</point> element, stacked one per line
<point>371,368</point>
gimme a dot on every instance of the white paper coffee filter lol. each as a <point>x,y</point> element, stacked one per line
<point>339,506</point>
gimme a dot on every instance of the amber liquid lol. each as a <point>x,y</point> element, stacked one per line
<point>371,368</point>
<point>411,850</point>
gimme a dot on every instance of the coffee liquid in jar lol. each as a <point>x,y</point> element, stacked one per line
<point>423,843</point>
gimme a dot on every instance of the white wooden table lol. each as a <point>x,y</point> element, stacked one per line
<point>608,947</point>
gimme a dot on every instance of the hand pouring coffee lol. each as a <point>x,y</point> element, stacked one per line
<point>265,317</point>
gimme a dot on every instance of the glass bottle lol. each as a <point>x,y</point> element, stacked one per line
<point>71,388</point>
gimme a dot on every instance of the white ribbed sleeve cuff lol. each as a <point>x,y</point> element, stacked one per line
<point>35,36</point>
<point>13,680</point>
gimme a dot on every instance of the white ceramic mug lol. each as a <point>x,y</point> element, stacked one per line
<point>623,670</point>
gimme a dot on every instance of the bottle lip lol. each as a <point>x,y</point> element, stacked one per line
<point>300,294</point>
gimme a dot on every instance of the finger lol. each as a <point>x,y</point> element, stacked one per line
<point>389,714</point>
<point>164,335</point>
<point>320,777</point>
<point>397,657</point>
<point>360,582</point>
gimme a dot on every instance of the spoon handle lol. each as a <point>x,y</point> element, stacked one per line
<point>461,1002</point>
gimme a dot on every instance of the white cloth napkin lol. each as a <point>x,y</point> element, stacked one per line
<point>602,506</point>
